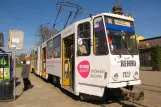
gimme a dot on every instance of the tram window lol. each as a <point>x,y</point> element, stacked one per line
<point>84,37</point>
<point>57,47</point>
<point>49,49</point>
<point>99,39</point>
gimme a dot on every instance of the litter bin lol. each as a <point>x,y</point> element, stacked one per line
<point>6,90</point>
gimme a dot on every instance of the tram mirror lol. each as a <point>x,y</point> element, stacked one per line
<point>80,41</point>
<point>1,40</point>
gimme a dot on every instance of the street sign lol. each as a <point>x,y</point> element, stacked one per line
<point>15,41</point>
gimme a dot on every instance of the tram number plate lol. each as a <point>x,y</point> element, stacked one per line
<point>126,74</point>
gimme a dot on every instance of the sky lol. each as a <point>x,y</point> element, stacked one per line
<point>27,15</point>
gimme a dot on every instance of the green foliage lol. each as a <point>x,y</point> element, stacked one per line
<point>156,58</point>
<point>18,65</point>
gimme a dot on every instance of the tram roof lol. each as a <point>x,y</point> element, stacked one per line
<point>72,26</point>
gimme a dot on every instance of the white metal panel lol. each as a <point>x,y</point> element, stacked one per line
<point>68,31</point>
<point>137,82</point>
<point>119,16</point>
<point>44,44</point>
<point>54,66</point>
<point>38,61</point>
<point>91,90</point>
<point>117,68</point>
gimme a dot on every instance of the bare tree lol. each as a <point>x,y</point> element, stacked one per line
<point>44,33</point>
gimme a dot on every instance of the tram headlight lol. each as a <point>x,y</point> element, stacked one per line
<point>115,77</point>
<point>136,75</point>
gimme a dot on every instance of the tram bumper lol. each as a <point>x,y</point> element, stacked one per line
<point>123,84</point>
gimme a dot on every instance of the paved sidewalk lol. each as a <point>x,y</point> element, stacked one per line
<point>43,94</point>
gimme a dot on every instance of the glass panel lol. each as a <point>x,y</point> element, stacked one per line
<point>49,49</point>
<point>100,44</point>
<point>4,61</point>
<point>121,37</point>
<point>120,22</point>
<point>57,47</point>
<point>84,38</point>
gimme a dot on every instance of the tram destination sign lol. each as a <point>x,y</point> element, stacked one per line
<point>121,22</point>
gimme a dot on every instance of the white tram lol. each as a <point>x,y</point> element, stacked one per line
<point>91,55</point>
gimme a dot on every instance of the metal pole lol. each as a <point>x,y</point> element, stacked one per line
<point>14,74</point>
<point>3,67</point>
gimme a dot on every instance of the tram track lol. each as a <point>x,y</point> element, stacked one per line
<point>137,103</point>
<point>126,103</point>
<point>147,87</point>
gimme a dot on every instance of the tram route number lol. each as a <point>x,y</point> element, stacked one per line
<point>126,74</point>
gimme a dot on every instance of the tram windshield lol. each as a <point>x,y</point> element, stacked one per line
<point>121,36</point>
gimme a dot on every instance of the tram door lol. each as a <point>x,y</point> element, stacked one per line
<point>30,59</point>
<point>44,62</point>
<point>68,63</point>
<point>35,62</point>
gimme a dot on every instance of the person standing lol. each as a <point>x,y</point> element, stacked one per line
<point>25,75</point>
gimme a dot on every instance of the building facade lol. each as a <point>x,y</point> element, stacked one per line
<point>144,49</point>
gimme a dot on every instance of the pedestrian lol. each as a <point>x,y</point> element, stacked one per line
<point>25,75</point>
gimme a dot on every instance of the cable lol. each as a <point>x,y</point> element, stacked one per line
<point>57,16</point>
<point>68,19</point>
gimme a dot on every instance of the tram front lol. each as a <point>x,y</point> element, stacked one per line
<point>123,52</point>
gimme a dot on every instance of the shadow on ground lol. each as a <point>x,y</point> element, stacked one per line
<point>17,82</point>
<point>103,103</point>
<point>30,87</point>
<point>17,96</point>
<point>143,68</point>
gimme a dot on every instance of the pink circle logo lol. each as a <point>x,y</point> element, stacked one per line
<point>84,68</point>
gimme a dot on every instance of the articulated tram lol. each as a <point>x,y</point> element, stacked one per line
<point>90,55</point>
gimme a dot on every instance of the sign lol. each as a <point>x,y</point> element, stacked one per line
<point>84,68</point>
<point>126,74</point>
<point>128,63</point>
<point>15,41</point>
<point>121,22</point>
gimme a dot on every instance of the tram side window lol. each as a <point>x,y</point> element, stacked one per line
<point>49,49</point>
<point>99,37</point>
<point>84,39</point>
<point>57,47</point>
<point>32,55</point>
